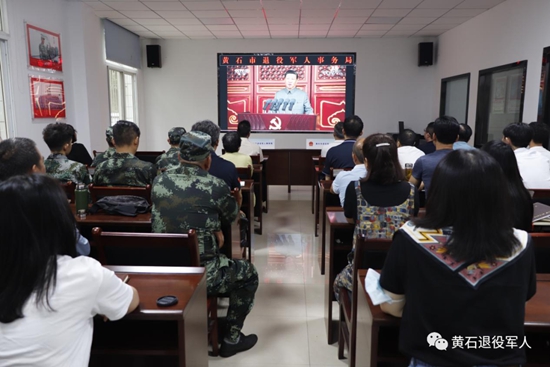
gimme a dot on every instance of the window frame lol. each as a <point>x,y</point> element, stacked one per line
<point>443,98</point>
<point>123,70</point>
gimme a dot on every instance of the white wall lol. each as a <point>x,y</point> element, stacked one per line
<point>512,31</point>
<point>389,85</point>
<point>84,71</point>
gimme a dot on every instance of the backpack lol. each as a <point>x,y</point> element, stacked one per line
<point>128,205</point>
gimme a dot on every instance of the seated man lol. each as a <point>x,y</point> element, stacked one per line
<point>101,157</point>
<point>358,172</point>
<point>534,168</point>
<point>123,168</point>
<point>248,147</point>
<point>188,197</point>
<point>445,133</point>
<point>407,150</point>
<point>338,135</point>
<point>428,146</point>
<point>231,144</point>
<point>58,137</point>
<point>170,158</point>
<point>340,156</point>
<point>20,156</point>
<point>541,136</point>
<point>464,135</point>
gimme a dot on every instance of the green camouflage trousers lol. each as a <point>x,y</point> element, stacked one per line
<point>238,281</point>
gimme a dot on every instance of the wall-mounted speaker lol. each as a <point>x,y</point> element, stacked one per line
<point>425,53</point>
<point>153,56</point>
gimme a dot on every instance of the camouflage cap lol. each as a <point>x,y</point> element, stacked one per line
<point>195,146</point>
<point>175,134</point>
<point>109,133</point>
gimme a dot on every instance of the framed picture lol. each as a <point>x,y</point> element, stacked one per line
<point>44,49</point>
<point>48,97</point>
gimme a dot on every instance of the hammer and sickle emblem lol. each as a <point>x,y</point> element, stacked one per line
<point>275,124</point>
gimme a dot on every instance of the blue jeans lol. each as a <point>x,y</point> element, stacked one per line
<point>417,363</point>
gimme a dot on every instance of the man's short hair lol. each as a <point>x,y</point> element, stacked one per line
<point>339,130</point>
<point>210,128</point>
<point>541,133</point>
<point>446,129</point>
<point>293,72</point>
<point>57,134</point>
<point>430,129</point>
<point>407,137</point>
<point>243,129</point>
<point>353,126</point>
<point>124,133</point>
<point>464,132</point>
<point>231,142</point>
<point>519,133</point>
<point>17,157</point>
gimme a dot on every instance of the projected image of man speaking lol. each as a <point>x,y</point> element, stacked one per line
<point>291,99</point>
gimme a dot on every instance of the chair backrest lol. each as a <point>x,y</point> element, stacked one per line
<point>149,156</point>
<point>245,173</point>
<point>541,243</point>
<point>97,192</point>
<point>69,188</point>
<point>335,171</point>
<point>541,196</point>
<point>146,249</point>
<point>96,153</point>
<point>255,159</point>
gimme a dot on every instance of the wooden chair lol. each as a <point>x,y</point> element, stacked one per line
<point>255,159</point>
<point>541,196</point>
<point>369,253</point>
<point>97,192</point>
<point>96,153</point>
<point>245,173</point>
<point>541,241</point>
<point>317,169</point>
<point>155,249</point>
<point>69,188</point>
<point>149,156</point>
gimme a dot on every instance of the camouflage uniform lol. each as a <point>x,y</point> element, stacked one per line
<point>124,169</point>
<point>188,197</point>
<point>102,157</point>
<point>60,167</point>
<point>168,160</point>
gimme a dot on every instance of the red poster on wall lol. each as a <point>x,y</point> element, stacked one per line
<point>48,97</point>
<point>44,49</point>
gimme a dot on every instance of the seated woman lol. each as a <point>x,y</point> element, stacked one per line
<point>48,296</point>
<point>462,270</point>
<point>520,199</point>
<point>379,204</point>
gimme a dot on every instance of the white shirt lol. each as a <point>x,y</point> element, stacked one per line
<point>534,168</point>
<point>408,154</point>
<point>325,149</point>
<point>541,150</point>
<point>249,148</point>
<point>342,180</point>
<point>63,338</point>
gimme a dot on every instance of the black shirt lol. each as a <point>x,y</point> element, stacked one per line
<point>378,195</point>
<point>80,154</point>
<point>225,170</point>
<point>339,156</point>
<point>482,302</point>
<point>428,147</point>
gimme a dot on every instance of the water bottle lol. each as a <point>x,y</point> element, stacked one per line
<point>81,198</point>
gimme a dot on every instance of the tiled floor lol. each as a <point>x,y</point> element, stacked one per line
<point>288,314</point>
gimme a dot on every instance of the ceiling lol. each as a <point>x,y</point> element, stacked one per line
<point>215,19</point>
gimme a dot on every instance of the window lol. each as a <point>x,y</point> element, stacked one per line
<point>455,92</point>
<point>500,97</point>
<point>122,94</point>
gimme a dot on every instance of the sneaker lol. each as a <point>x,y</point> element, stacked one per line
<point>245,343</point>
